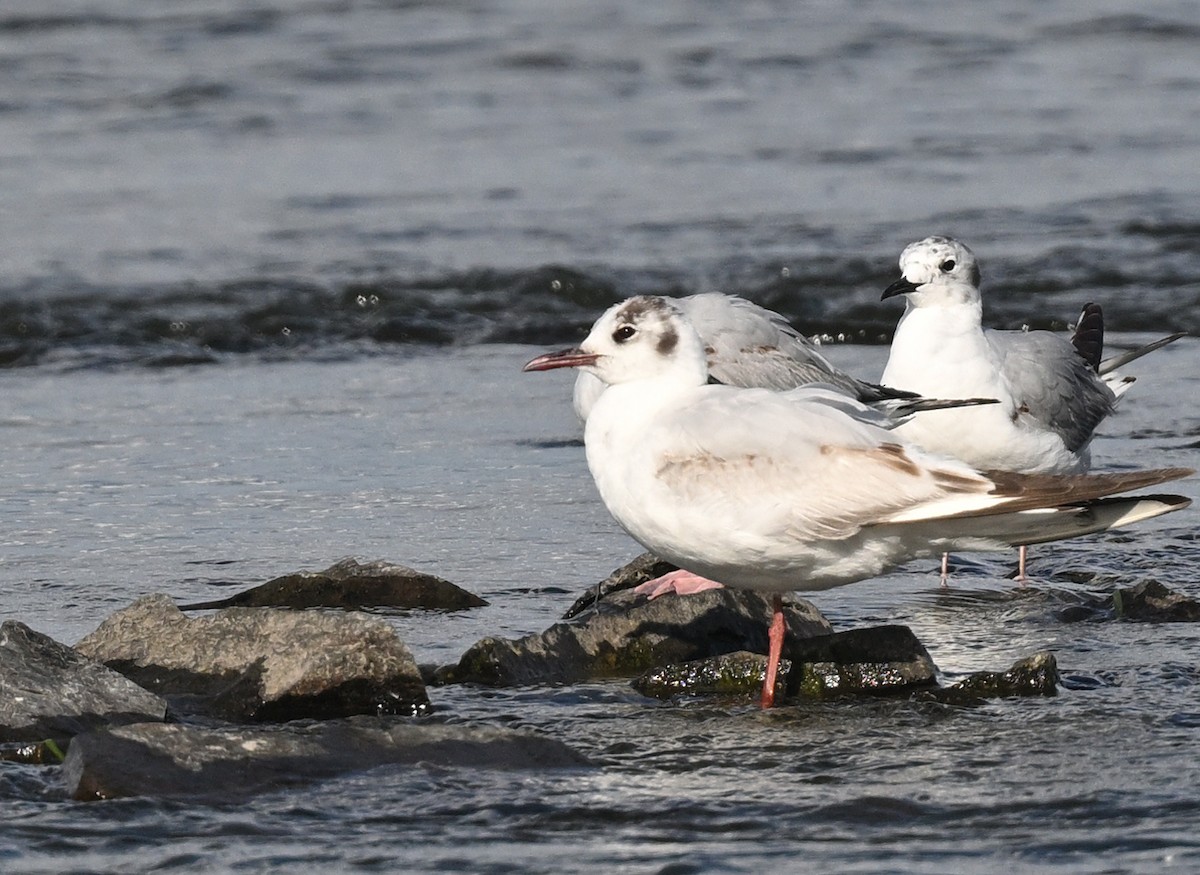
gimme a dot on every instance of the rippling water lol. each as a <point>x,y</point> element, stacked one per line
<point>269,275</point>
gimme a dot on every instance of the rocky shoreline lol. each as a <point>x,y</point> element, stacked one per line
<point>295,681</point>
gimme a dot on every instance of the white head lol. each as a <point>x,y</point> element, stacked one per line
<point>639,338</point>
<point>936,272</point>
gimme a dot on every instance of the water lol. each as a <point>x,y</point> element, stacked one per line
<point>269,276</point>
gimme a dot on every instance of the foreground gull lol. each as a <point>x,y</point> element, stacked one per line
<point>799,490</point>
<point>753,347</point>
<point>1053,392</point>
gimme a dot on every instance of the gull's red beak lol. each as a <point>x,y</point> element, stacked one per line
<point>566,358</point>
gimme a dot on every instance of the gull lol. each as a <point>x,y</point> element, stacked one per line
<point>1053,392</point>
<point>753,347</point>
<point>801,490</point>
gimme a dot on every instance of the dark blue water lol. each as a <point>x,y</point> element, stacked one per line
<point>269,274</point>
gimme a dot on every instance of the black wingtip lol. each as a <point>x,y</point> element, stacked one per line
<point>1088,339</point>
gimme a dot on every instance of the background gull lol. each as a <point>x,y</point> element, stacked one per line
<point>799,490</point>
<point>1053,392</point>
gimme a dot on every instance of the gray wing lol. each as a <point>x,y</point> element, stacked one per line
<point>752,347</point>
<point>1053,383</point>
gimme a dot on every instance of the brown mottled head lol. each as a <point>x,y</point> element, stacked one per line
<point>639,338</point>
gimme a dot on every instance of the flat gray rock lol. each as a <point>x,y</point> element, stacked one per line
<point>261,663</point>
<point>48,690</point>
<point>351,585</point>
<point>627,634</point>
<point>173,760</point>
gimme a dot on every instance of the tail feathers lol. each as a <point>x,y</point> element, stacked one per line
<point>1057,523</point>
<point>1088,339</point>
<point>1111,364</point>
<point>1043,491</point>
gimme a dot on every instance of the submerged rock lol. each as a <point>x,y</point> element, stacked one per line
<point>171,760</point>
<point>1153,602</point>
<point>48,690</point>
<point>626,634</point>
<point>261,663</point>
<point>1035,675</point>
<point>634,573</point>
<point>351,585</point>
<point>882,660</point>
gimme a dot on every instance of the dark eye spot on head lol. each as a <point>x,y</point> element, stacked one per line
<point>623,333</point>
<point>947,265</point>
<point>668,341</point>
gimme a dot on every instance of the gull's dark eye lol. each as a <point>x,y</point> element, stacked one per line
<point>623,333</point>
<point>947,265</point>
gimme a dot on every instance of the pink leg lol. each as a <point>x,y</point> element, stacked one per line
<point>775,637</point>
<point>945,569</point>
<point>679,582</point>
<point>1022,555</point>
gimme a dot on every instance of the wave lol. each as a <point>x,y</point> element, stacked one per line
<point>81,325</point>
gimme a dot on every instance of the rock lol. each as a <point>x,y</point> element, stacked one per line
<point>737,675</point>
<point>638,571</point>
<point>1035,675</point>
<point>627,634</point>
<point>34,753</point>
<point>48,690</point>
<point>261,663</point>
<point>1151,601</point>
<point>350,585</point>
<point>172,760</point>
<point>881,660</point>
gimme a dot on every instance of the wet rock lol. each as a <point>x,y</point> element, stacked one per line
<point>261,663</point>
<point>1035,675</point>
<point>737,675</point>
<point>34,753</point>
<point>627,634</point>
<point>350,585</point>
<point>1153,602</point>
<point>171,760</point>
<point>1085,612</point>
<point>635,573</point>
<point>881,660</point>
<point>48,690</point>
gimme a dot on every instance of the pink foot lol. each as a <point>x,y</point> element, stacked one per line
<point>775,637</point>
<point>679,582</point>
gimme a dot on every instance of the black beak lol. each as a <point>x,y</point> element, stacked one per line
<point>567,358</point>
<point>899,287</point>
